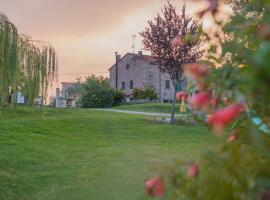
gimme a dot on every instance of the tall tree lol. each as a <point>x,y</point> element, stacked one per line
<point>9,59</point>
<point>174,40</point>
<point>25,65</point>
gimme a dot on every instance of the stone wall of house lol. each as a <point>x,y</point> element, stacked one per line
<point>167,94</point>
<point>142,73</point>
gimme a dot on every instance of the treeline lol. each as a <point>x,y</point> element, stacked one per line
<point>26,65</point>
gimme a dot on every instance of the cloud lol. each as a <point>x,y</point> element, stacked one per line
<point>85,33</point>
<point>69,17</point>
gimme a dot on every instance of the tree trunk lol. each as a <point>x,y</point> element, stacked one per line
<point>173,105</point>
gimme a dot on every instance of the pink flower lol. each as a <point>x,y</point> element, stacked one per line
<point>155,187</point>
<point>181,95</point>
<point>213,8</point>
<point>177,42</point>
<point>233,137</point>
<point>193,170</point>
<point>201,100</point>
<point>197,70</point>
<point>221,118</point>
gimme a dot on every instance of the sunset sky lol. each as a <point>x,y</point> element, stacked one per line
<point>86,33</point>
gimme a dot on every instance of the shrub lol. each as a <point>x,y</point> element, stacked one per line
<point>118,97</point>
<point>150,93</point>
<point>147,92</point>
<point>138,93</point>
<point>237,108</point>
<point>97,93</point>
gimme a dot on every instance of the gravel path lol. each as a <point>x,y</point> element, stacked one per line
<point>138,112</point>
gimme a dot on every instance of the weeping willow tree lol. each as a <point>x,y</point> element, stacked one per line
<point>9,59</point>
<point>38,63</point>
<point>26,65</point>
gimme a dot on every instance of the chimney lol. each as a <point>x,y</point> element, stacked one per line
<point>118,58</point>
<point>140,53</point>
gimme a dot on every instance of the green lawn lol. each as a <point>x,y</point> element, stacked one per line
<point>149,107</point>
<point>84,154</point>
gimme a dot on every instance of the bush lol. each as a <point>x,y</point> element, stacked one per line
<point>234,97</point>
<point>97,93</point>
<point>147,92</point>
<point>118,98</point>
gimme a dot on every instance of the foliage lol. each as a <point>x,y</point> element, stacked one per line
<point>173,40</point>
<point>75,91</point>
<point>118,98</point>
<point>239,90</point>
<point>158,37</point>
<point>98,93</point>
<point>147,92</point>
<point>9,62</point>
<point>25,65</point>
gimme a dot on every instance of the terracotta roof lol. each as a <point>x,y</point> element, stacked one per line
<point>145,58</point>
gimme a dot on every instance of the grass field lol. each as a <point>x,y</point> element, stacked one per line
<point>83,154</point>
<point>149,107</point>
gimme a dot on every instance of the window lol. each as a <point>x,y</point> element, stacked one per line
<point>167,84</point>
<point>123,85</point>
<point>127,66</point>
<point>131,85</point>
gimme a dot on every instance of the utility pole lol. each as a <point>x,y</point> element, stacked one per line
<point>116,70</point>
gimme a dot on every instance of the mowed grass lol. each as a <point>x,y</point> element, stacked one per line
<point>84,154</point>
<point>149,107</point>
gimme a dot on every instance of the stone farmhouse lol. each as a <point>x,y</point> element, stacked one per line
<point>138,70</point>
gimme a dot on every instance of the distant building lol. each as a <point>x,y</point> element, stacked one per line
<point>138,70</point>
<point>21,99</point>
<point>62,99</point>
